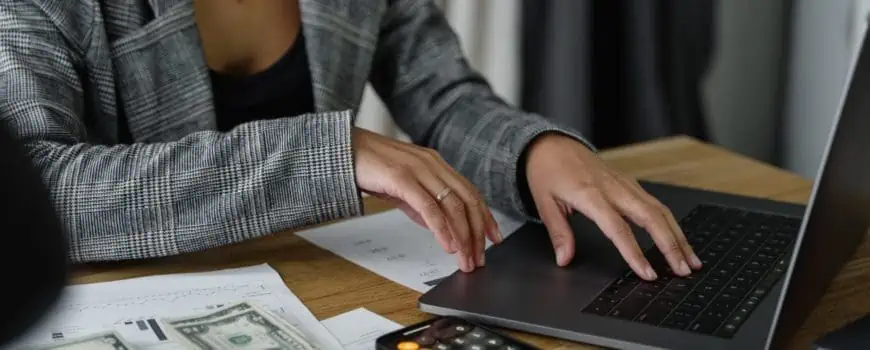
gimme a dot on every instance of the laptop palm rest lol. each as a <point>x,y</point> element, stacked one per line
<point>524,268</point>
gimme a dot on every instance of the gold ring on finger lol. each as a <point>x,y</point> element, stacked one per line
<point>443,194</point>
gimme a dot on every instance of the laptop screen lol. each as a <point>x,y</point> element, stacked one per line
<point>839,211</point>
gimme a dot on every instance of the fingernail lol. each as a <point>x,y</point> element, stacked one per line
<point>651,273</point>
<point>695,260</point>
<point>499,235</point>
<point>481,260</point>
<point>560,255</point>
<point>471,263</point>
<point>463,263</point>
<point>684,268</point>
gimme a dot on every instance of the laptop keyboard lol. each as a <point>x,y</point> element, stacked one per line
<point>744,255</point>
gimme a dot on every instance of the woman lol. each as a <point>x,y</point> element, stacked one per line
<point>170,126</point>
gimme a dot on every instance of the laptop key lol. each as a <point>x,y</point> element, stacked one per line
<point>715,281</point>
<point>653,287</point>
<point>625,282</point>
<point>676,322</point>
<point>654,314</point>
<point>700,298</point>
<point>665,303</point>
<point>736,289</point>
<point>687,313</point>
<point>727,330</point>
<point>711,256</point>
<point>679,285</point>
<point>598,308</point>
<point>718,272</point>
<point>705,325</point>
<point>718,247</point>
<point>706,288</point>
<point>670,295</point>
<point>720,304</point>
<point>628,309</point>
<point>691,307</point>
<point>641,295</point>
<point>617,292</point>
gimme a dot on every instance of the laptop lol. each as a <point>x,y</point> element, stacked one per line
<point>766,263</point>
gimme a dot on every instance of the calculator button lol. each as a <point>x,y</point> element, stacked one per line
<point>475,347</point>
<point>510,347</point>
<point>408,345</point>
<point>493,342</point>
<point>425,340</point>
<point>442,347</point>
<point>476,334</point>
<point>459,341</point>
<point>461,328</point>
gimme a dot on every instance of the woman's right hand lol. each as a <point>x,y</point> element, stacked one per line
<point>429,191</point>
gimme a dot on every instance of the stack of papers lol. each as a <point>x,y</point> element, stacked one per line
<point>133,309</point>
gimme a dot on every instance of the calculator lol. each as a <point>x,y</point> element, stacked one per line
<point>449,333</point>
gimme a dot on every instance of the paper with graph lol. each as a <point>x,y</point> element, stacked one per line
<point>133,308</point>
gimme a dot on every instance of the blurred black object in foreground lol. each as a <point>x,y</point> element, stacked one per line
<point>32,245</point>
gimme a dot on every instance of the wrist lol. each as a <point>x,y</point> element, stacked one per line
<point>544,144</point>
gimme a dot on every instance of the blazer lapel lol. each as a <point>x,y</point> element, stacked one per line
<point>341,36</point>
<point>163,78</point>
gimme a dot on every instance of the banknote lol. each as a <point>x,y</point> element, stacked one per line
<point>108,340</point>
<point>242,325</point>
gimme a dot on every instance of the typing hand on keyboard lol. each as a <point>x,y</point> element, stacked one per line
<point>564,175</point>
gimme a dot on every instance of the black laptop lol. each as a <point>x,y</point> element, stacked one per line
<point>766,263</point>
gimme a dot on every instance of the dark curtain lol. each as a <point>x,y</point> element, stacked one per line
<point>620,71</point>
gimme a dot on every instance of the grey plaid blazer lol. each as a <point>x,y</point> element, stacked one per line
<point>70,68</point>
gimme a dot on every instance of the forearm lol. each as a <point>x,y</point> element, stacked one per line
<point>206,190</point>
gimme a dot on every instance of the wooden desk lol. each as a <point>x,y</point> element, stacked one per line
<point>330,285</point>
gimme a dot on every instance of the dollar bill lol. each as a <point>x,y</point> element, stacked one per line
<point>239,326</point>
<point>108,340</point>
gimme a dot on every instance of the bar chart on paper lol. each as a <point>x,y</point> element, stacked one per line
<point>134,307</point>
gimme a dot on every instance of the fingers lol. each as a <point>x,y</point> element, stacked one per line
<point>653,220</point>
<point>592,203</point>
<point>458,215</point>
<point>473,209</point>
<point>470,194</point>
<point>481,222</point>
<point>410,190</point>
<point>560,231</point>
<point>654,205</point>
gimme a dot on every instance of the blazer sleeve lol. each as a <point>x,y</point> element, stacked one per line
<point>440,101</point>
<point>119,202</point>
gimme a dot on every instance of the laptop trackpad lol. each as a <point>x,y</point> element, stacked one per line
<point>524,268</point>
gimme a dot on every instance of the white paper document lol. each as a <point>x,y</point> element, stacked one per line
<point>360,328</point>
<point>134,307</point>
<point>393,246</point>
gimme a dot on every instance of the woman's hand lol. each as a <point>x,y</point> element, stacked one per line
<point>565,176</point>
<point>429,191</point>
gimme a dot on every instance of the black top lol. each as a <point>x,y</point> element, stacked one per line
<point>282,90</point>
